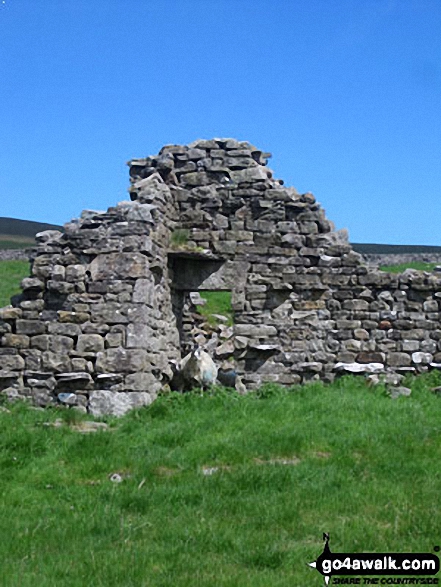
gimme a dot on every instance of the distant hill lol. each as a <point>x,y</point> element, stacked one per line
<point>20,234</point>
<point>29,228</point>
<point>378,249</point>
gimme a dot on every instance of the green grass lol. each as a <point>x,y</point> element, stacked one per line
<point>367,472</point>
<point>11,274</point>
<point>218,302</point>
<point>419,265</point>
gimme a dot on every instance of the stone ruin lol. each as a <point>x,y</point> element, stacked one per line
<point>111,301</point>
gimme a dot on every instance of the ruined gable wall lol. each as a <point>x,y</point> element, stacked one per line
<point>96,324</point>
<point>308,301</point>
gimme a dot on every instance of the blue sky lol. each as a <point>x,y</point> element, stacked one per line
<point>346,94</point>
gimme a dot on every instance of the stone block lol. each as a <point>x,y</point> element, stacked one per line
<point>356,305</point>
<point>32,284</point>
<point>18,341</point>
<point>398,359</point>
<point>120,360</point>
<point>109,403</point>
<point>195,178</point>
<point>61,288</point>
<point>352,345</point>
<point>361,334</point>
<point>30,327</point>
<point>255,330</point>
<point>308,227</point>
<point>420,358</point>
<point>79,364</point>
<point>32,305</point>
<point>144,291</point>
<point>64,329</point>
<point>73,317</point>
<point>119,266</point>
<point>109,313</point>
<point>430,306</point>
<point>114,339</point>
<point>416,334</point>
<point>141,336</point>
<point>366,357</point>
<point>90,343</point>
<point>225,247</point>
<point>410,345</point>
<point>252,174</point>
<point>55,362</point>
<point>52,342</point>
<point>143,382</point>
<point>10,313</point>
<point>11,363</point>
<point>75,273</point>
<point>348,324</point>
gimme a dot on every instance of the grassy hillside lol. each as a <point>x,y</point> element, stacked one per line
<point>419,265</point>
<point>11,274</point>
<point>219,490</point>
<point>24,228</point>
<point>16,234</point>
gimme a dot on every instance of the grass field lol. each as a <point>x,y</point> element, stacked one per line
<point>11,274</point>
<point>220,489</point>
<point>419,265</point>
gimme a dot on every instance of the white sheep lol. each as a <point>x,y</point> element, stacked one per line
<point>197,369</point>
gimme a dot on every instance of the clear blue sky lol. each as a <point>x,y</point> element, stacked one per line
<point>346,94</point>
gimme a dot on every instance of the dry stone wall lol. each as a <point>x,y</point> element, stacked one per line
<point>108,306</point>
<point>14,254</point>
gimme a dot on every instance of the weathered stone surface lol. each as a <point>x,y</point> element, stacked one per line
<point>75,273</point>
<point>257,330</point>
<point>398,359</point>
<point>32,283</point>
<point>249,175</point>
<point>144,291</point>
<point>108,403</point>
<point>121,360</point>
<point>119,266</point>
<point>64,329</point>
<point>146,382</point>
<point>10,313</point>
<point>370,357</point>
<point>422,358</point>
<point>142,336</point>
<point>55,362</point>
<point>109,313</point>
<point>400,391</point>
<point>90,343</point>
<point>51,342</point>
<point>360,367</point>
<point>73,317</point>
<point>30,327</point>
<point>18,341</point>
<point>11,362</point>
